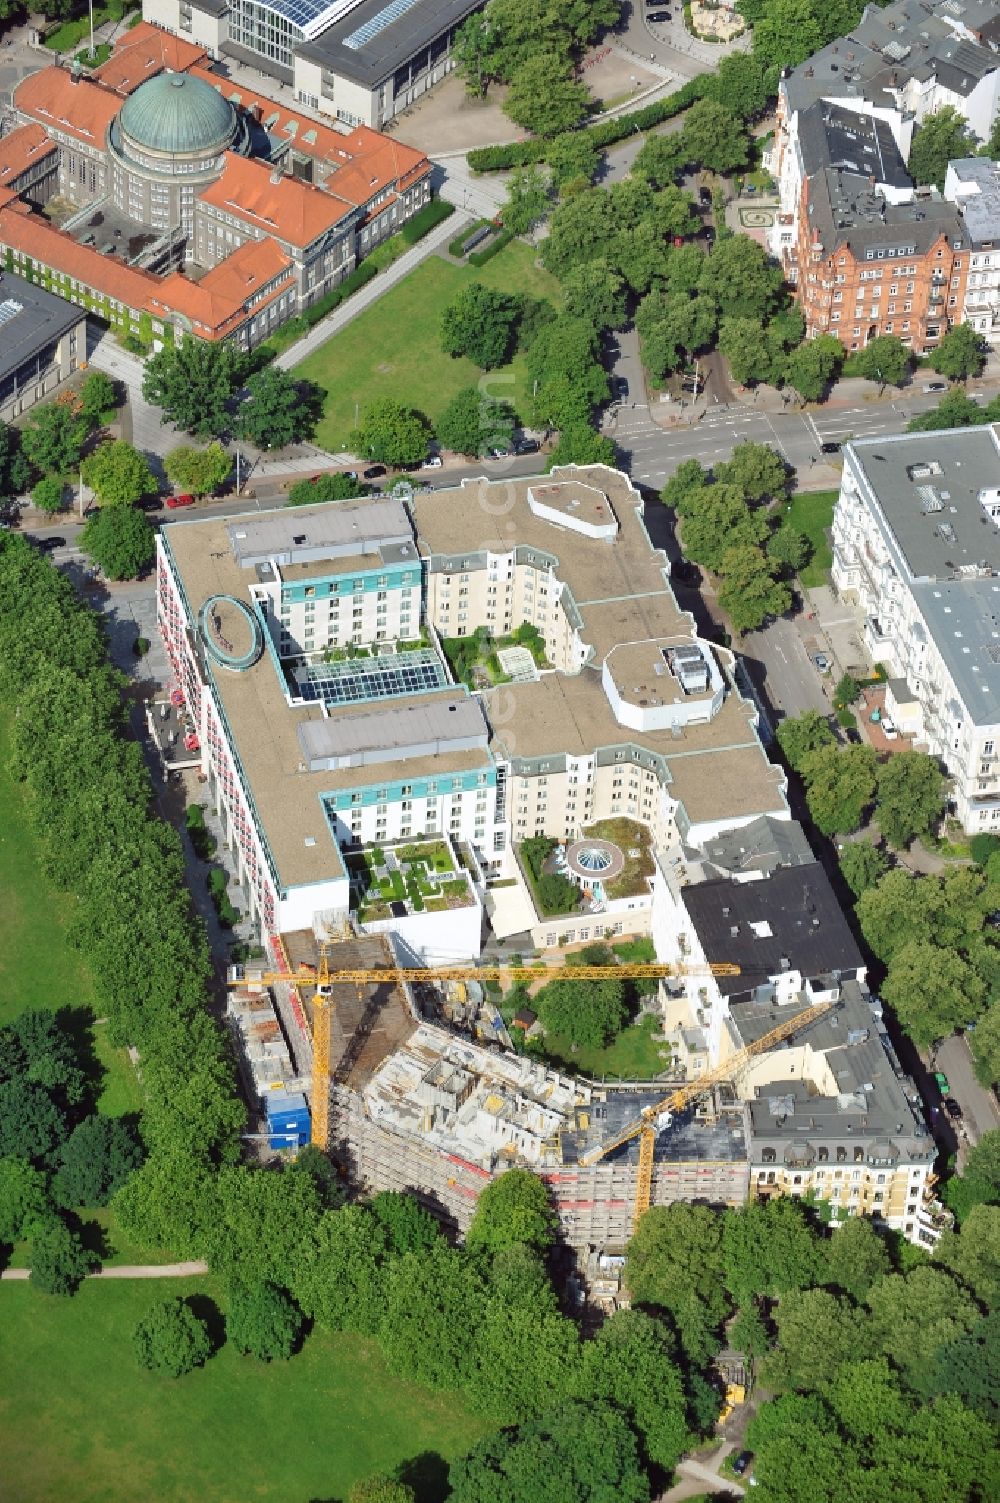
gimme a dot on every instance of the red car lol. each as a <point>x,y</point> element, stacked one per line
<point>174,501</point>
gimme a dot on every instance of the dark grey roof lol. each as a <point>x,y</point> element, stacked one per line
<point>885,49</point>
<point>392,45</point>
<point>847,210</point>
<point>831,135</point>
<point>761,846</point>
<point>30,318</point>
<point>792,921</point>
<point>872,1106</point>
<point>687,1139</point>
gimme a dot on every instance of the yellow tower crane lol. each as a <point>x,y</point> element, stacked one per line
<point>646,1126</point>
<point>324,978</point>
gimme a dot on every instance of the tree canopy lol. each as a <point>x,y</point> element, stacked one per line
<point>171,1339</point>
<point>392,434</point>
<point>118,474</point>
<point>473,423</point>
<point>192,383</point>
<point>513,1208</point>
<point>941,138</point>
<point>198,471</point>
<point>480,323</point>
<point>120,540</point>
<point>960,354</point>
<point>277,410</point>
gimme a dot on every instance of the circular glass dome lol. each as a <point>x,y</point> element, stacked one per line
<point>178,114</point>
<point>593,859</point>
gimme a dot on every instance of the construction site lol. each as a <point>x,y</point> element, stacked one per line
<point>424,1093</point>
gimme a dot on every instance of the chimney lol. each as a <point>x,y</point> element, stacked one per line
<point>276,173</point>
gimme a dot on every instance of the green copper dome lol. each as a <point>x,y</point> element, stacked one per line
<point>176,113</point>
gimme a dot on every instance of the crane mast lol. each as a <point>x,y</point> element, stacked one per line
<point>324,977</point>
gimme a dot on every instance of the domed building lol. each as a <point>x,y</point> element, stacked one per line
<point>167,144</point>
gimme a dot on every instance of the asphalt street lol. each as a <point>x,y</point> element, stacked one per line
<point>653,452</point>
<point>979,1106</point>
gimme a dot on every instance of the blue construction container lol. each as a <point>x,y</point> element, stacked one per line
<point>287,1120</point>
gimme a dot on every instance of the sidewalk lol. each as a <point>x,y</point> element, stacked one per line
<point>127,1271</point>
<point>370,293</point>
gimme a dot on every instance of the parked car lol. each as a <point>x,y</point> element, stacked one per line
<point>832,447</point>
<point>889,730</point>
<point>741,1462</point>
<point>935,386</point>
<point>941,1081</point>
<point>49,545</point>
<point>182,500</point>
<point>433,463</point>
<point>658,16</point>
<point>822,662</point>
<point>498,453</point>
<point>621,388</point>
<point>374,471</point>
<point>953,1109</point>
<point>705,197</point>
<point>526,446</point>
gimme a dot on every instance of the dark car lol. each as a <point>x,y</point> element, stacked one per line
<point>830,448</point>
<point>49,545</point>
<point>374,471</point>
<point>705,197</point>
<point>621,387</point>
<point>953,1109</point>
<point>526,446</point>
<point>658,15</point>
<point>741,1462</point>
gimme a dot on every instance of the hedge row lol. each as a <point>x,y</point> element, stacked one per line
<point>605,133</point>
<point>480,258</point>
<point>423,222</point>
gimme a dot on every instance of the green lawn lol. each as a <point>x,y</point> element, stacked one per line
<point>38,968</point>
<point>634,1055</point>
<point>393,350</point>
<point>82,1423</point>
<point>811,512</point>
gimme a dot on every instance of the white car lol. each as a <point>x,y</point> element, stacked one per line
<point>434,463</point>
<point>889,730</point>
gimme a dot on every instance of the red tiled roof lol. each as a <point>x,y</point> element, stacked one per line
<point>142,53</point>
<point>21,150</point>
<point>217,303</point>
<point>81,107</point>
<point>290,209</point>
<point>366,161</point>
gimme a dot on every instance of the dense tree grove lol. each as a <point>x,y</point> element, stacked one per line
<point>729,523</point>
<point>131,918</point>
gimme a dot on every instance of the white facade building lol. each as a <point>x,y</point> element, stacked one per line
<point>915,545</point>
<point>973,185</point>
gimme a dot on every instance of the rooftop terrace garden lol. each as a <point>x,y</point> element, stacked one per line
<point>632,839</point>
<point>422,877</point>
<point>474,660</point>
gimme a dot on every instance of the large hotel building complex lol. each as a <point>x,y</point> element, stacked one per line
<point>307,647</point>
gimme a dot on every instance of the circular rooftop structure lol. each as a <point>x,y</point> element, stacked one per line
<point>594,861</point>
<point>178,115</point>
<point>232,634</point>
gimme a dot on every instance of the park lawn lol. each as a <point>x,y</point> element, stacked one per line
<point>38,966</point>
<point>82,1422</point>
<point>811,512</point>
<point>634,1054</point>
<point>393,350</point>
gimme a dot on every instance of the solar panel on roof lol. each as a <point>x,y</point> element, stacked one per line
<point>379,22</point>
<point>9,309</point>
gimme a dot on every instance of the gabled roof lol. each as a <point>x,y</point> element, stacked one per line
<point>21,149</point>
<point>289,209</point>
<point>218,303</point>
<point>142,53</point>
<point>365,160</point>
<point>78,106</point>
